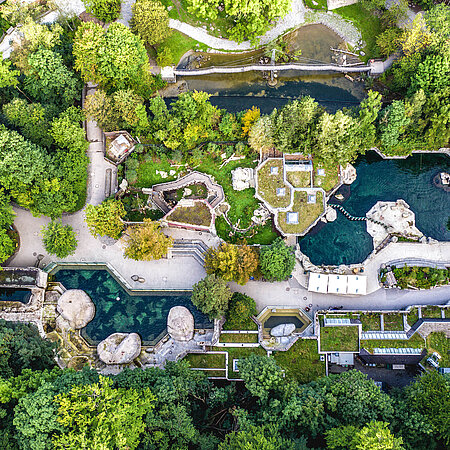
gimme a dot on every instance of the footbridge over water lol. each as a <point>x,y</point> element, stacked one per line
<point>374,68</point>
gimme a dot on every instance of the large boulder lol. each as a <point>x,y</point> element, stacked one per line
<point>284,329</point>
<point>119,348</point>
<point>76,307</point>
<point>180,324</point>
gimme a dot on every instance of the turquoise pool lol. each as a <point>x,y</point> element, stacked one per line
<point>15,295</point>
<point>347,242</point>
<point>121,311</point>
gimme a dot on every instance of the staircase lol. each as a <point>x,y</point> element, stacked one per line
<point>189,247</point>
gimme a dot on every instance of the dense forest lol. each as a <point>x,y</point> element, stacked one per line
<point>44,407</point>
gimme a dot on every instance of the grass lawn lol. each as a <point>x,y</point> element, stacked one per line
<point>367,23</point>
<point>416,341</point>
<point>301,361</point>
<point>242,203</point>
<point>205,360</point>
<point>413,316</point>
<point>263,235</point>
<point>268,183</point>
<point>214,373</point>
<point>431,312</point>
<point>447,313</point>
<point>370,322</point>
<point>196,215</point>
<point>299,179</point>
<point>178,44</point>
<point>251,338</point>
<point>393,322</point>
<point>327,181</point>
<point>307,213</point>
<point>146,172</point>
<point>438,342</point>
<point>239,353</point>
<point>339,339</point>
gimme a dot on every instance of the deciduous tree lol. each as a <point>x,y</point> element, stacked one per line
<point>211,296</point>
<point>147,242</point>
<point>277,261</point>
<point>106,219</point>
<point>151,21</point>
<point>104,10</point>
<point>59,239</point>
<point>240,311</point>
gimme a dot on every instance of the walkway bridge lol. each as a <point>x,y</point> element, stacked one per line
<point>273,67</point>
<point>354,218</point>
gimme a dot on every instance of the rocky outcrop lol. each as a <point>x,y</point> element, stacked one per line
<point>76,308</point>
<point>119,348</point>
<point>284,329</point>
<point>180,324</point>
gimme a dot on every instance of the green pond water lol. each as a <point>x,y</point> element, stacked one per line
<point>347,242</point>
<point>15,295</point>
<point>236,92</point>
<point>121,311</point>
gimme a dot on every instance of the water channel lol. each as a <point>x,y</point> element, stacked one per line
<point>236,92</point>
<point>411,179</point>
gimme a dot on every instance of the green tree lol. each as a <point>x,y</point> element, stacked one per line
<point>277,261</point>
<point>391,125</point>
<point>432,74</point>
<point>147,242</point>
<point>116,58</point>
<point>368,114</point>
<point>387,41</point>
<point>6,212</point>
<point>49,81</point>
<point>211,296</point>
<point>23,348</point>
<point>257,438</point>
<point>106,219</point>
<point>151,21</point>
<point>251,18</point>
<point>8,76</point>
<point>261,374</point>
<point>240,311</point>
<point>260,137</point>
<point>232,262</point>
<point>7,245</point>
<point>59,239</point>
<point>100,416</point>
<point>430,396</point>
<point>104,10</point>
<point>374,436</point>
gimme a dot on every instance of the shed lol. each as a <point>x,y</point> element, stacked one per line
<point>337,284</point>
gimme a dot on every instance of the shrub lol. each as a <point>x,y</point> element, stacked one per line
<point>240,310</point>
<point>59,239</point>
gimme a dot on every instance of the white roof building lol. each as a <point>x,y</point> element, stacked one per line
<point>337,284</point>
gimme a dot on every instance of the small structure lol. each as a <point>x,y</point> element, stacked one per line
<point>281,192</point>
<point>292,218</point>
<point>119,348</point>
<point>76,308</point>
<point>180,324</point>
<point>167,74</point>
<point>243,178</point>
<point>274,170</point>
<point>337,284</point>
<point>342,359</point>
<point>119,145</point>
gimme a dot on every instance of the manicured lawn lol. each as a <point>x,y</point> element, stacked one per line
<point>205,360</point>
<point>327,181</point>
<point>178,44</point>
<point>438,342</point>
<point>251,338</point>
<point>370,322</point>
<point>302,362</point>
<point>268,183</point>
<point>339,339</point>
<point>262,235</point>
<point>393,322</point>
<point>299,179</point>
<point>413,316</point>
<point>239,353</point>
<point>148,166</point>
<point>242,203</point>
<point>416,341</point>
<point>431,312</point>
<point>367,23</point>
<point>307,213</point>
<point>199,214</point>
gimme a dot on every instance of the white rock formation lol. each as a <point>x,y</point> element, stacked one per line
<point>76,308</point>
<point>180,324</point>
<point>119,348</point>
<point>284,329</point>
<point>348,174</point>
<point>397,218</point>
<point>243,178</point>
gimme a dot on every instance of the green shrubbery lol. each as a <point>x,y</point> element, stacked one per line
<point>420,277</point>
